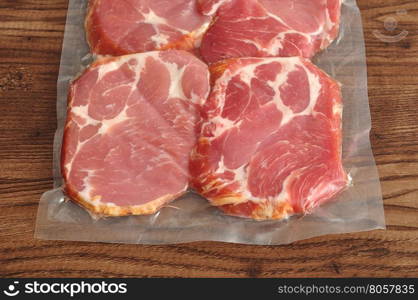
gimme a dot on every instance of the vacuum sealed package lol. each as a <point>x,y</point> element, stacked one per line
<point>243,121</point>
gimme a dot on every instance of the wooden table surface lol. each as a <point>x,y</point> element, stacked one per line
<point>31,33</point>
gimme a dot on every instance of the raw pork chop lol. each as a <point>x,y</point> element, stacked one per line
<point>271,138</point>
<point>131,26</point>
<point>260,28</point>
<point>131,126</point>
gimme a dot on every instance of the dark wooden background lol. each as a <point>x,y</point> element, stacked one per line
<point>31,33</point>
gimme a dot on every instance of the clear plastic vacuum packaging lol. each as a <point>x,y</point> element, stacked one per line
<point>192,120</point>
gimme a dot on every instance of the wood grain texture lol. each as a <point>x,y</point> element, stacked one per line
<point>31,34</point>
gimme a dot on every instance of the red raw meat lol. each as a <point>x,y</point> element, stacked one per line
<point>132,124</point>
<point>264,28</point>
<point>132,26</point>
<point>210,7</point>
<point>271,139</point>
